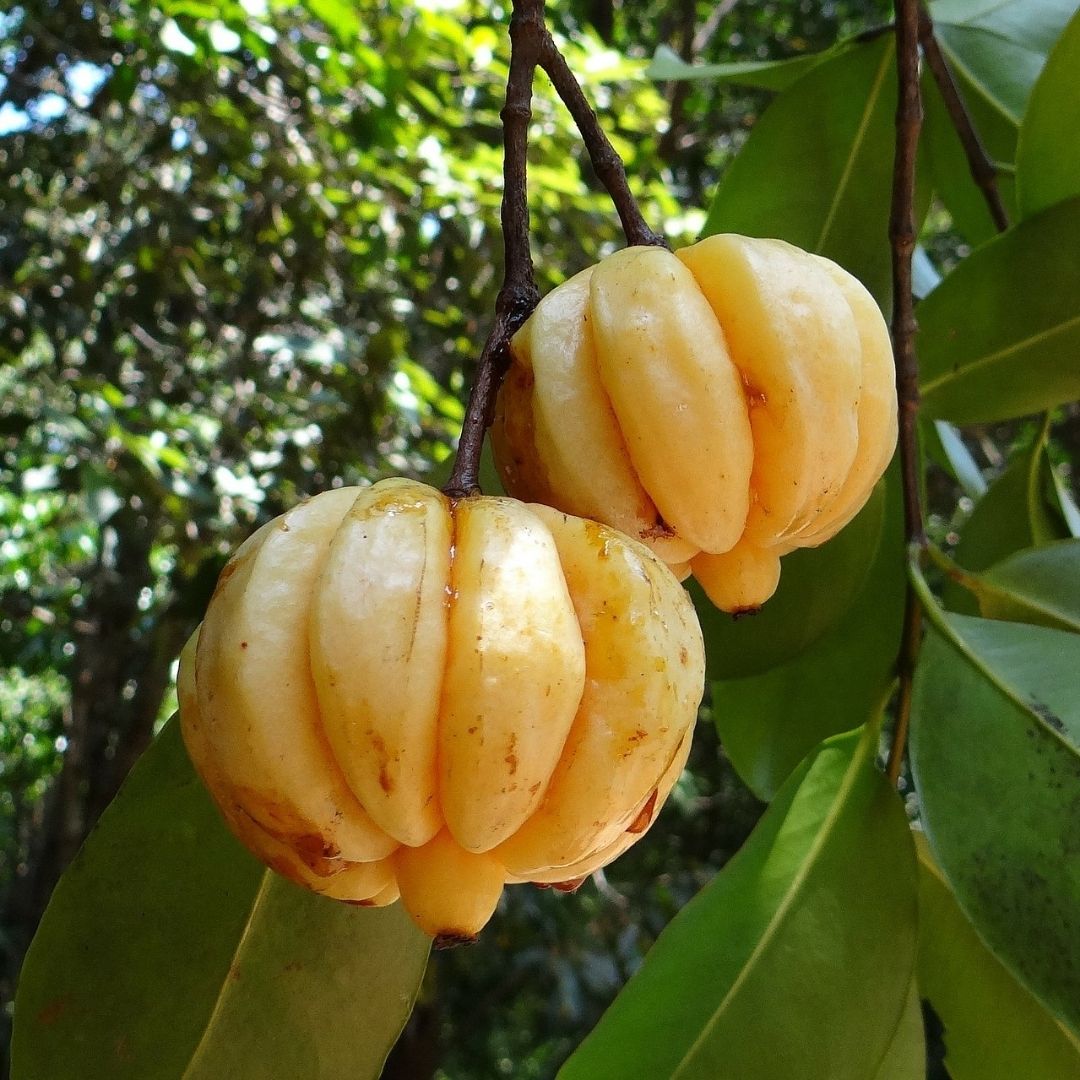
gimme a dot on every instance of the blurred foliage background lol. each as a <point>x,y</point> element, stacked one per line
<point>248,250</point>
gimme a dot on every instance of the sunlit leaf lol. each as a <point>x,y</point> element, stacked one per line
<point>993,1028</point>
<point>906,1056</point>
<point>994,754</point>
<point>814,914</point>
<point>999,337</point>
<point>1048,153</point>
<point>168,952</point>
<point>766,74</point>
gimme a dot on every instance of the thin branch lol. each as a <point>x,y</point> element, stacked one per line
<point>983,170</point>
<point>605,161</point>
<point>902,237</point>
<point>519,295</point>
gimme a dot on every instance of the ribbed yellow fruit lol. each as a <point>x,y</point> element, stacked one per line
<point>393,692</point>
<point>725,404</point>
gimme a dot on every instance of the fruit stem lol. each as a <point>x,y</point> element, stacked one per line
<point>902,237</point>
<point>983,170</point>
<point>519,294</point>
<point>605,159</point>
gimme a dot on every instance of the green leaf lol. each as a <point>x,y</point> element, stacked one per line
<point>796,960</point>
<point>765,74</point>
<point>995,729</point>
<point>1020,510</point>
<point>993,1028</point>
<point>817,588</point>
<point>768,723</point>
<point>817,168</point>
<point>906,1056</point>
<point>1048,153</point>
<point>957,458</point>
<point>1000,336</point>
<point>168,952</point>
<point>1039,585</point>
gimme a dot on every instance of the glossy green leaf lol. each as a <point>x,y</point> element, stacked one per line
<point>995,731</point>
<point>1020,510</point>
<point>167,951</point>
<point>906,1056</point>
<point>1040,586</point>
<point>765,74</point>
<point>825,146</point>
<point>1048,153</point>
<point>817,588</point>
<point>1000,336</point>
<point>993,1028</point>
<point>769,722</point>
<point>796,960</point>
<point>996,50</point>
<point>960,462</point>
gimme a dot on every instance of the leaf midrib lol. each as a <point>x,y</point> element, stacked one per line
<point>227,982</point>
<point>773,926</point>
<point>860,138</point>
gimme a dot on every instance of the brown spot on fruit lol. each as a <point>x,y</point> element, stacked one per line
<point>511,757</point>
<point>385,780</point>
<point>243,644</point>
<point>570,886</point>
<point>645,815</point>
<point>659,530</point>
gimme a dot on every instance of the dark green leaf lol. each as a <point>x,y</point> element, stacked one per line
<point>817,588</point>
<point>167,951</point>
<point>812,921</point>
<point>769,722</point>
<point>994,1028</point>
<point>1000,336</point>
<point>1048,153</point>
<point>995,729</point>
<point>816,169</point>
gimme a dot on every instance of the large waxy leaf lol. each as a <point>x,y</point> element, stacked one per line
<point>1040,586</point>
<point>996,50</point>
<point>769,722</point>
<point>826,143</point>
<point>168,952</point>
<point>906,1057</point>
<point>1000,335</point>
<point>796,960</point>
<point>994,753</point>
<point>1021,509</point>
<point>993,1028</point>
<point>1048,154</point>
<point>764,74</point>
<point>817,588</point>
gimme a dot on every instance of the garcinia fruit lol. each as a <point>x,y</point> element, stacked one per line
<point>726,404</point>
<point>393,692</point>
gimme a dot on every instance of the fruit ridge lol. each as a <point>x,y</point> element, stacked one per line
<point>725,403</point>
<point>394,693</point>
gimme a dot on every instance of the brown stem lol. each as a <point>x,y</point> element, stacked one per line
<point>982,168</point>
<point>518,295</point>
<point>605,161</point>
<point>902,239</point>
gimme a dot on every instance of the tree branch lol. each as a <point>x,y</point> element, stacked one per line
<point>605,161</point>
<point>519,295</point>
<point>902,239</point>
<point>983,171</point>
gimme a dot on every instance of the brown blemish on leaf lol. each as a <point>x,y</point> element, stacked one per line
<point>52,1012</point>
<point>123,1049</point>
<point>645,815</point>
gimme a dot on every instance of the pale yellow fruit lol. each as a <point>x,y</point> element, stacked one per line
<point>393,691</point>
<point>741,387</point>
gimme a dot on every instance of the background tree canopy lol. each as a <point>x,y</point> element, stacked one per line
<point>249,250</point>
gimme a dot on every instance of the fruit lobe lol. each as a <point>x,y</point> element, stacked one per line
<point>725,404</point>
<point>394,692</point>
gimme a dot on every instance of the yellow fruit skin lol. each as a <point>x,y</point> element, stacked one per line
<point>392,691</point>
<point>752,390</point>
